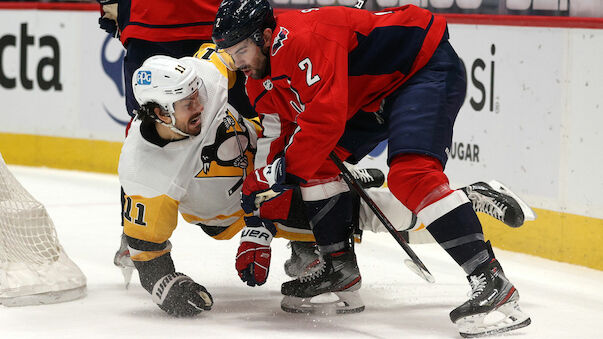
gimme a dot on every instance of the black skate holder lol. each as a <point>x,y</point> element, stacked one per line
<point>415,264</point>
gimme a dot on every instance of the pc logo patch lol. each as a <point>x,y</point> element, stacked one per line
<point>279,40</point>
<point>143,77</point>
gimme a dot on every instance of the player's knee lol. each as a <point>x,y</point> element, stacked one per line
<point>417,180</point>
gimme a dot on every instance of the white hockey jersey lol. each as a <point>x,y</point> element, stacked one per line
<point>198,176</point>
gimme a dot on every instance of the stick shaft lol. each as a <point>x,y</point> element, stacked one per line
<point>353,183</point>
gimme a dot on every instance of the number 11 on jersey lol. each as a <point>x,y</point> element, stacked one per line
<point>139,215</point>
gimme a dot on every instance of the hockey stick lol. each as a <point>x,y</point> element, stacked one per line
<point>415,264</point>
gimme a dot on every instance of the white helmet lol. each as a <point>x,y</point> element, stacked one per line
<point>165,80</point>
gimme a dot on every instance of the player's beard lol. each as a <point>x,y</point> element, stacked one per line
<point>266,70</point>
<point>194,130</point>
<point>263,69</point>
<point>202,118</point>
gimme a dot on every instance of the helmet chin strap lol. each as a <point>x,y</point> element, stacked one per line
<point>172,125</point>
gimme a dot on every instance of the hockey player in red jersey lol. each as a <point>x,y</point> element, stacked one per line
<point>341,79</point>
<point>155,27</point>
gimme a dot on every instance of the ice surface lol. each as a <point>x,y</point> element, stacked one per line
<point>564,301</point>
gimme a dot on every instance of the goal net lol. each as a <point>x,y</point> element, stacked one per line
<point>34,268</point>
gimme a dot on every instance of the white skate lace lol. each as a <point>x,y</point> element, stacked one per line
<point>488,205</point>
<point>314,272</point>
<point>361,174</point>
<point>478,283</point>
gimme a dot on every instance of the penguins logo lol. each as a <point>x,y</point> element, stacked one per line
<point>231,153</point>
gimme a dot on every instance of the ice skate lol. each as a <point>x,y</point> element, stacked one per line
<point>493,306</point>
<point>304,256</point>
<point>123,261</point>
<point>494,199</point>
<point>331,287</point>
<point>367,177</point>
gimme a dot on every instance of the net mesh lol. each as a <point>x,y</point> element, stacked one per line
<point>32,261</point>
<point>27,232</point>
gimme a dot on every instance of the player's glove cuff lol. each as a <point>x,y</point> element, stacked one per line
<point>257,230</point>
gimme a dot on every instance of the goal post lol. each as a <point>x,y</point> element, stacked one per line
<point>34,268</point>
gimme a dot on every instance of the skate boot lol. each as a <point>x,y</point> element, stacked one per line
<point>123,261</point>
<point>497,201</point>
<point>331,287</point>
<point>304,256</point>
<point>493,306</point>
<point>367,177</point>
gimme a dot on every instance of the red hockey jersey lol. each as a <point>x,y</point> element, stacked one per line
<point>163,21</point>
<point>327,64</point>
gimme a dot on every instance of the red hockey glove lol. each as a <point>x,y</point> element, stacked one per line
<point>253,256</point>
<point>263,184</point>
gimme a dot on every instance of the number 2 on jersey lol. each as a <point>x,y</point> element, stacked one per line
<point>139,216</point>
<point>306,65</point>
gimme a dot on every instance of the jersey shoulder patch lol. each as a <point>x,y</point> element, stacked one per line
<point>279,40</point>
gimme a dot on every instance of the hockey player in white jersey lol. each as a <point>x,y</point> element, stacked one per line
<point>161,170</point>
<point>190,144</point>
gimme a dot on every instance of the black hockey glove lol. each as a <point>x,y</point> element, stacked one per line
<point>108,19</point>
<point>178,295</point>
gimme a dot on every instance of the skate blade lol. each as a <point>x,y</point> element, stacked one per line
<point>504,319</point>
<point>528,213</point>
<point>324,304</point>
<point>127,273</point>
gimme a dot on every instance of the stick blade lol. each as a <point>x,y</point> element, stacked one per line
<point>425,275</point>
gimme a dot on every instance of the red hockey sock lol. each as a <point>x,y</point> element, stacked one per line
<point>417,180</point>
